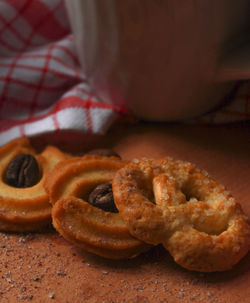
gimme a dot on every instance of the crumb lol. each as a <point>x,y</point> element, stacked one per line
<point>51,295</point>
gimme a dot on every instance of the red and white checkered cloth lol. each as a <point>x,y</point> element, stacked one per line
<point>42,88</point>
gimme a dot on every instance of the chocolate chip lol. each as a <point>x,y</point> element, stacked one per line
<point>102,197</point>
<point>22,171</point>
<point>103,152</point>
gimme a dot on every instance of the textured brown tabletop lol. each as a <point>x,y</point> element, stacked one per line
<point>43,267</point>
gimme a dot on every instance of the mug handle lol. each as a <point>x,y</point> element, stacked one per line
<point>235,66</point>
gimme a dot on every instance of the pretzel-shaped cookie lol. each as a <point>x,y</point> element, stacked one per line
<point>178,205</point>
<point>93,229</point>
<point>24,203</point>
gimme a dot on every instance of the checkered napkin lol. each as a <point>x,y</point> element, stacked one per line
<point>42,88</point>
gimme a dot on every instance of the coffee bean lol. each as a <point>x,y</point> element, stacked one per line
<point>102,197</point>
<point>22,171</point>
<point>103,152</point>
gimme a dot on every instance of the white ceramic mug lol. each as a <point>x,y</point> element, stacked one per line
<point>165,59</point>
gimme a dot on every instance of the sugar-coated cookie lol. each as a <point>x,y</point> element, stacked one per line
<point>176,204</point>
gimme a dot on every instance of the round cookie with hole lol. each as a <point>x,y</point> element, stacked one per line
<point>83,210</point>
<point>24,203</point>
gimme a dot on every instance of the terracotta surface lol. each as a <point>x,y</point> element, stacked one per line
<point>45,268</point>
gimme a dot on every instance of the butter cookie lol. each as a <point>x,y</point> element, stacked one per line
<point>84,212</point>
<point>24,203</point>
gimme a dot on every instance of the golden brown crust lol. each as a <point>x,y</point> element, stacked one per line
<point>63,170</point>
<point>94,230</point>
<point>97,231</point>
<point>26,209</point>
<point>176,204</point>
